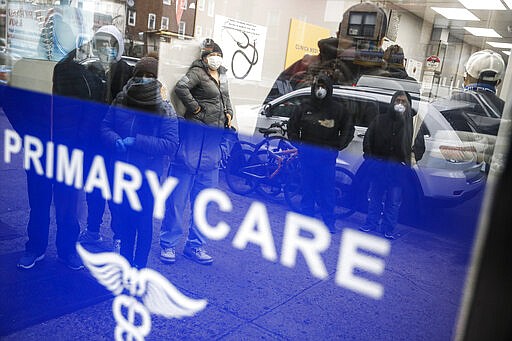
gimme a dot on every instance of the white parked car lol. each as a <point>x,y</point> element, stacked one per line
<point>450,170</point>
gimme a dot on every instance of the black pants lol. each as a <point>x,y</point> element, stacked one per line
<point>40,190</point>
<point>318,170</point>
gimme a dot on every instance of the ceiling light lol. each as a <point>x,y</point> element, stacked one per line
<point>509,3</point>
<point>500,45</point>
<point>481,4</point>
<point>482,32</point>
<point>455,13</point>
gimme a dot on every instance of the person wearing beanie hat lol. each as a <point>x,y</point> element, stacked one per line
<point>146,66</point>
<point>142,129</point>
<point>205,95</point>
<point>213,48</point>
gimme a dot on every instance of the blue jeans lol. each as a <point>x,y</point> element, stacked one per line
<point>385,198</point>
<point>189,186</point>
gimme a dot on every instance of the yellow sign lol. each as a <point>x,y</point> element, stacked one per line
<point>303,39</point>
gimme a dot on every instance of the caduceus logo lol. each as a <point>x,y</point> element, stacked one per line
<point>131,286</point>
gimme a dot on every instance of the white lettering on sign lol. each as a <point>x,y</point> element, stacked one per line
<point>303,236</point>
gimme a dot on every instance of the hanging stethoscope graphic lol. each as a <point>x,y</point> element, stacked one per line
<point>244,45</point>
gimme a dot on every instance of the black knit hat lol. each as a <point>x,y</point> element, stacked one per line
<point>210,48</point>
<point>146,65</point>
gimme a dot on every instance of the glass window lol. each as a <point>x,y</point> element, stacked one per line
<point>181,28</point>
<point>132,17</point>
<point>313,207</point>
<point>201,4</point>
<point>151,21</point>
<point>165,23</point>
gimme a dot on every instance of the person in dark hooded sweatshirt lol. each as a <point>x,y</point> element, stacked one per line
<point>141,129</point>
<point>321,127</point>
<point>389,149</point>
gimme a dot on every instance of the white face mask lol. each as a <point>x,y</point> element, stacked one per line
<point>400,108</point>
<point>214,62</point>
<point>320,93</point>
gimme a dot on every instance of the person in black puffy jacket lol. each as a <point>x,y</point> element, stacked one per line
<point>320,121</point>
<point>141,129</point>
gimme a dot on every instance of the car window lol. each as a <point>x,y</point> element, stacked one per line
<point>363,111</point>
<point>286,108</point>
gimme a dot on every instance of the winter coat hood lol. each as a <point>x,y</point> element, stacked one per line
<point>409,111</point>
<point>326,82</point>
<point>113,31</point>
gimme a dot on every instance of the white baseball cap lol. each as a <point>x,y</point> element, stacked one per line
<point>488,62</point>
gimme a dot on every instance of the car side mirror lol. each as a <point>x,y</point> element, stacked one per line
<point>266,110</point>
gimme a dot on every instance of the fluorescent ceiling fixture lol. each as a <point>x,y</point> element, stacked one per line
<point>482,32</point>
<point>483,4</point>
<point>500,45</point>
<point>509,3</point>
<point>455,13</point>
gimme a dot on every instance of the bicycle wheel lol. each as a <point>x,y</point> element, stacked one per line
<point>239,182</point>
<point>344,199</point>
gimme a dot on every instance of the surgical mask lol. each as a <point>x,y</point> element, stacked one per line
<point>143,80</point>
<point>320,93</point>
<point>108,54</point>
<point>214,62</point>
<point>400,108</point>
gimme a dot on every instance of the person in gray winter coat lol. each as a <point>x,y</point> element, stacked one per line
<point>205,95</point>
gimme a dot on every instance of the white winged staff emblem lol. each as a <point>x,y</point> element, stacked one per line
<point>158,295</point>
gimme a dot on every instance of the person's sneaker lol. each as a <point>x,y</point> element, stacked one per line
<point>365,228</point>
<point>29,260</point>
<point>116,245</point>
<point>390,236</point>
<point>72,261</point>
<point>198,255</point>
<point>89,237</point>
<point>168,255</point>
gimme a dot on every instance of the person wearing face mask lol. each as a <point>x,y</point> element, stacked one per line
<point>320,127</point>
<point>203,90</point>
<point>112,73</point>
<point>391,146</point>
<point>141,129</point>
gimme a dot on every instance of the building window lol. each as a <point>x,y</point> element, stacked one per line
<point>167,2</point>
<point>132,15</point>
<point>211,8</point>
<point>181,28</point>
<point>200,4</point>
<point>199,31</point>
<point>362,24</point>
<point>151,21</point>
<point>183,4</point>
<point>165,23</point>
